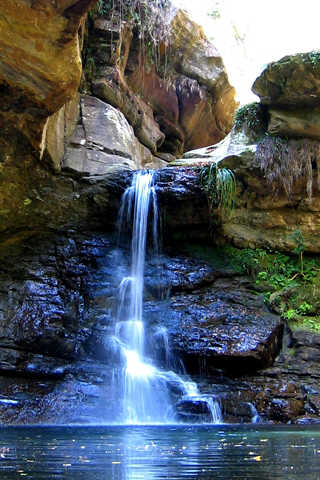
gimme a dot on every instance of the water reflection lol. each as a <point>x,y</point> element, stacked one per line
<point>155,453</point>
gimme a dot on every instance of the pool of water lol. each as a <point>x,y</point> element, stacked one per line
<point>159,452</point>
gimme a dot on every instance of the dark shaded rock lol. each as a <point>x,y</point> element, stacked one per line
<point>284,410</point>
<point>171,275</point>
<point>57,307</point>
<point>193,410</point>
<point>221,326</point>
<point>307,421</point>
<point>183,203</point>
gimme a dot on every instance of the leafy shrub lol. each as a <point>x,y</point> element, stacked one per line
<point>253,115</point>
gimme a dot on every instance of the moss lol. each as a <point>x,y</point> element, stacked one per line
<point>253,115</point>
<point>311,324</point>
<point>295,296</point>
<point>314,58</point>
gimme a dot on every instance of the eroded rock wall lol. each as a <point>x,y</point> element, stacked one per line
<point>180,101</point>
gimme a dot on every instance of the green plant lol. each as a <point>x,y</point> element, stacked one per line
<point>314,58</point>
<point>220,187</point>
<point>305,307</point>
<point>253,116</point>
<point>298,239</point>
<point>290,314</point>
<point>104,6</point>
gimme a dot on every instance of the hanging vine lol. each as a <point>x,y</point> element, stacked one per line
<point>285,161</point>
<point>149,19</point>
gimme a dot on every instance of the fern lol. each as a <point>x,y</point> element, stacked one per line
<point>220,187</point>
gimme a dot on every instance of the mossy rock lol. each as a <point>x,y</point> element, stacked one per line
<point>292,82</point>
<point>251,119</point>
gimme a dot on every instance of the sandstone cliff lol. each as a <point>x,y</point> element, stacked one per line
<point>274,151</point>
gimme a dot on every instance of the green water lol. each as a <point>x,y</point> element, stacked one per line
<point>156,452</point>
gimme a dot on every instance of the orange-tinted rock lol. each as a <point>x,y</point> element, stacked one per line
<point>40,64</point>
<point>185,95</point>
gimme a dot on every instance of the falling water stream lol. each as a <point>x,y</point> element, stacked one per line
<point>145,388</point>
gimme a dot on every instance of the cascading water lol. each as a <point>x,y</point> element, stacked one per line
<point>144,388</point>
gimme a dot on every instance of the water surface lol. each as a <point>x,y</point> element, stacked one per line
<point>160,452</point>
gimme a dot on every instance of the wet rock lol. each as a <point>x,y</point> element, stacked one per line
<point>220,327</point>
<point>284,410</point>
<point>308,421</point>
<point>171,275</point>
<point>193,411</point>
<point>183,203</point>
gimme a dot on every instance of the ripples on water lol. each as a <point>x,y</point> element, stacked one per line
<point>154,453</point>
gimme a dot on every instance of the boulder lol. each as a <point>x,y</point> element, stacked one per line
<point>292,82</point>
<point>295,123</point>
<point>291,89</point>
<point>223,326</point>
<point>193,410</point>
<point>104,142</point>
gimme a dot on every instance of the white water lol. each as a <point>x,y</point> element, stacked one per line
<point>145,389</point>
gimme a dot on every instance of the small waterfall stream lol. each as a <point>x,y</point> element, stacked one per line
<point>145,388</point>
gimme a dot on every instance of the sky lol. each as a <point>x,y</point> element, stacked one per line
<point>251,33</point>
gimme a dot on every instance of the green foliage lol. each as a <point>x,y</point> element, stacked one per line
<point>220,187</point>
<point>276,276</point>
<point>298,239</point>
<point>253,115</point>
<point>295,294</point>
<point>306,323</point>
<point>290,314</point>
<point>314,58</point>
<point>104,7</point>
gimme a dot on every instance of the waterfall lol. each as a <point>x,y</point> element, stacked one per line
<point>145,389</point>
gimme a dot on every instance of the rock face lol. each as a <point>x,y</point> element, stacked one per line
<point>35,37</point>
<point>41,110</point>
<point>291,88</point>
<point>104,142</point>
<point>57,318</point>
<point>292,81</point>
<point>278,189</point>
<point>266,216</point>
<point>40,72</point>
<point>222,326</point>
<point>57,301</point>
<point>189,104</point>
